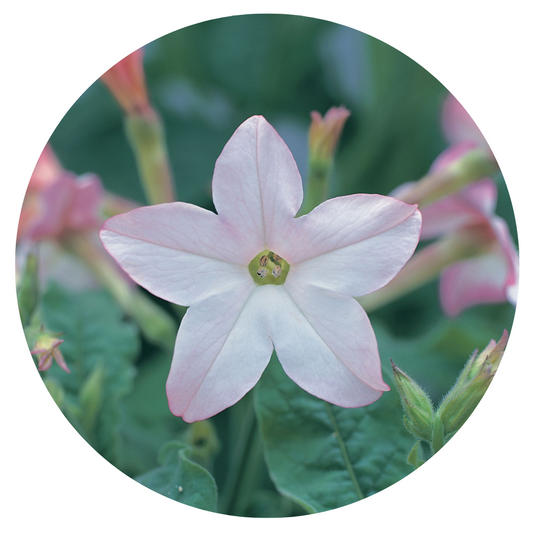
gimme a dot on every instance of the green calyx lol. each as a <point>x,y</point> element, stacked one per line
<point>268,268</point>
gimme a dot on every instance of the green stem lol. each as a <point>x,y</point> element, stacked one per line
<point>344,451</point>
<point>147,138</point>
<point>226,501</point>
<point>423,267</point>
<point>154,322</point>
<point>317,185</point>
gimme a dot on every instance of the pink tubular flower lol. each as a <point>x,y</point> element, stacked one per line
<point>68,204</point>
<point>488,278</point>
<point>126,82</point>
<point>256,278</point>
<point>458,125</point>
<point>325,131</point>
<point>57,201</point>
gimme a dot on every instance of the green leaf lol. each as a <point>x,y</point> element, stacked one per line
<point>181,479</point>
<point>324,456</point>
<point>98,342</point>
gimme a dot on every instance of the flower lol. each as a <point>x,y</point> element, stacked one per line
<point>458,126</point>
<point>491,277</point>
<point>256,278</point>
<point>325,131</point>
<point>47,349</point>
<point>126,82</point>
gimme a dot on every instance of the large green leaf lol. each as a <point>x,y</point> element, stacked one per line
<point>99,349</point>
<point>181,479</point>
<point>324,456</point>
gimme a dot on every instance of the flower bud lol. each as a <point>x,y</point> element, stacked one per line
<point>471,385</point>
<point>47,349</point>
<point>325,132</point>
<point>126,82</point>
<point>417,406</point>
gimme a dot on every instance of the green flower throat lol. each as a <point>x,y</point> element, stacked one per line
<point>268,268</point>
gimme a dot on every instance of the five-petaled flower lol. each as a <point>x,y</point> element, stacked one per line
<point>257,278</point>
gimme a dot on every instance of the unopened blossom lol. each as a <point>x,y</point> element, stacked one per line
<point>126,82</point>
<point>144,127</point>
<point>47,350</point>
<point>256,278</point>
<point>325,132</point>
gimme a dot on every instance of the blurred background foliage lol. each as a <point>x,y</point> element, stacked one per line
<point>205,80</point>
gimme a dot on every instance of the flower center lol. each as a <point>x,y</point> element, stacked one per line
<point>268,268</point>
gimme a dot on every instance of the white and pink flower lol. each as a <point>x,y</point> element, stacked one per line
<point>256,278</point>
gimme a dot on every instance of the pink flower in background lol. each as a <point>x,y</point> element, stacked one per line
<point>57,201</point>
<point>126,82</point>
<point>488,278</point>
<point>458,125</point>
<point>258,279</point>
<point>69,204</point>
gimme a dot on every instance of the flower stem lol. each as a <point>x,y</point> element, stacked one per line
<point>146,136</point>
<point>473,166</point>
<point>422,268</point>
<point>154,322</point>
<point>317,185</point>
<point>235,471</point>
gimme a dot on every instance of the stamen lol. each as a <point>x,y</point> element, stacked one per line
<point>262,272</point>
<point>266,263</point>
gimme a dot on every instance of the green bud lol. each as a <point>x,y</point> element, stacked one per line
<point>417,405</point>
<point>91,396</point>
<point>414,458</point>
<point>28,290</point>
<point>470,386</point>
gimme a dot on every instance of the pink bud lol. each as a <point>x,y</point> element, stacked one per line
<point>126,82</point>
<point>325,131</point>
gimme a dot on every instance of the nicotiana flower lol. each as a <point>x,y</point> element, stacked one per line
<point>489,277</point>
<point>256,278</point>
<point>126,82</point>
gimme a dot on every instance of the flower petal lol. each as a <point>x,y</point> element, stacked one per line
<point>458,125</point>
<point>87,199</point>
<point>177,251</point>
<point>326,344</point>
<point>472,282</point>
<point>256,185</point>
<point>221,351</point>
<point>473,205</point>
<point>354,244</point>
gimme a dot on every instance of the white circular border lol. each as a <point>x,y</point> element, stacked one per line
<point>54,480</point>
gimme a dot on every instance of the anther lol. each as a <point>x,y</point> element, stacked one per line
<point>276,257</point>
<point>276,271</point>
<point>263,261</point>
<point>262,272</point>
